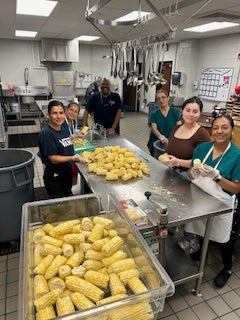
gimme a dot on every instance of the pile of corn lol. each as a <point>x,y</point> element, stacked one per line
<point>80,264</point>
<point>115,163</point>
<point>79,142</point>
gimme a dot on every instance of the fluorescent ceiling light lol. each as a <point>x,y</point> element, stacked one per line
<point>211,26</point>
<point>35,7</point>
<point>28,34</point>
<point>132,16</point>
<point>87,38</point>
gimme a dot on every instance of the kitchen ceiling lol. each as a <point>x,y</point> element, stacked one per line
<point>67,21</point>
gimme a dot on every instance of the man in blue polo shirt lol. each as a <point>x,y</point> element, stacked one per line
<point>106,107</point>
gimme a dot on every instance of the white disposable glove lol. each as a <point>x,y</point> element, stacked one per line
<point>195,172</point>
<point>78,158</point>
<point>163,139</point>
<point>207,171</point>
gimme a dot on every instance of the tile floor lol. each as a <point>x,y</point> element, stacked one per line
<point>222,304</point>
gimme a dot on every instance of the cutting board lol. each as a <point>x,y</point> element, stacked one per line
<point>86,147</point>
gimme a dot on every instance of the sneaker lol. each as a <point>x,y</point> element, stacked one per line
<point>222,278</point>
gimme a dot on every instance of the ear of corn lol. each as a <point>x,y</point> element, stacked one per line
<point>84,130</point>
<point>47,228</point>
<point>37,256</point>
<point>115,285</point>
<point>40,286</point>
<point>80,301</point>
<point>94,255</point>
<point>46,314</point>
<point>96,233</point>
<point>68,249</point>
<point>64,306</point>
<point>88,289</point>
<point>112,246</point>
<point>87,224</point>
<point>54,235</point>
<point>38,234</point>
<point>52,270</point>
<point>103,270</point>
<point>56,283</point>
<point>47,299</point>
<point>66,293</point>
<point>98,244</point>
<point>74,238</point>
<point>139,311</point>
<point>52,241</point>
<point>77,228</point>
<point>119,255</point>
<point>65,227</point>
<point>64,271</point>
<point>111,299</point>
<point>50,249</point>
<point>112,233</point>
<point>76,259</point>
<point>92,264</point>
<point>44,264</point>
<point>79,271</point>
<point>136,285</point>
<point>122,265</point>
<point>126,275</point>
<point>99,279</point>
<point>85,246</point>
<point>104,221</point>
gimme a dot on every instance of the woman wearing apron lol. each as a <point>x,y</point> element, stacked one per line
<point>70,122</point>
<point>219,176</point>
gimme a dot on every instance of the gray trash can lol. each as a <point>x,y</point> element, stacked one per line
<point>16,188</point>
<point>159,148</point>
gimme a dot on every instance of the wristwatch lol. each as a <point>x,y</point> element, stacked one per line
<point>217,178</point>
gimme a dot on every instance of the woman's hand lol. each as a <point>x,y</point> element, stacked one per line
<point>78,158</point>
<point>195,172</point>
<point>111,131</point>
<point>207,171</point>
<point>163,139</point>
<point>172,162</point>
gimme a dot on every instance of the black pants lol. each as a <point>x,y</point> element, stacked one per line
<point>58,184</point>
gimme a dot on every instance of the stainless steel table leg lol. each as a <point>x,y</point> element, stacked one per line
<point>162,254</point>
<point>203,256</point>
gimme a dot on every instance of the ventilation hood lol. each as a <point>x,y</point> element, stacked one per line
<point>60,50</point>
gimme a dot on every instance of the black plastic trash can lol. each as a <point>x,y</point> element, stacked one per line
<point>159,148</point>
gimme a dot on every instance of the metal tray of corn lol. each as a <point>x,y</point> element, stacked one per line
<point>82,258</point>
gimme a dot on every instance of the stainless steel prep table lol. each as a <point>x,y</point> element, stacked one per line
<point>184,201</point>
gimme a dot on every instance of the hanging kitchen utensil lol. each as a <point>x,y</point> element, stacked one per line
<point>26,77</point>
<point>163,49</point>
<point>115,73</point>
<point>113,61</point>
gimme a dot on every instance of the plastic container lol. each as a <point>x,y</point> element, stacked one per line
<point>38,213</point>
<point>159,148</point>
<point>15,107</point>
<point>16,188</point>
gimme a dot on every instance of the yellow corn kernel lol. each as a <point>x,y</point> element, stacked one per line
<point>47,228</point>
<point>64,306</point>
<point>88,289</point>
<point>68,249</point>
<point>40,286</point>
<point>80,301</point>
<point>104,221</point>
<point>115,285</point>
<point>74,238</point>
<point>87,224</point>
<point>84,130</point>
<point>139,311</point>
<point>47,300</point>
<point>52,270</point>
<point>66,293</point>
<point>103,270</point>
<point>112,233</point>
<point>44,264</point>
<point>65,227</point>
<point>77,228</point>
<point>50,249</point>
<point>37,256</point>
<point>79,271</point>
<point>98,244</point>
<point>94,255</point>
<point>38,234</point>
<point>105,233</point>
<point>54,235</point>
<point>96,232</point>
<point>99,279</point>
<point>76,259</point>
<point>85,247</point>
<point>56,283</point>
<point>136,285</point>
<point>119,255</point>
<point>92,264</point>
<point>122,265</point>
<point>52,241</point>
<point>112,246</point>
<point>126,275</point>
<point>46,314</point>
<point>86,234</point>
<point>111,299</point>
<point>64,271</point>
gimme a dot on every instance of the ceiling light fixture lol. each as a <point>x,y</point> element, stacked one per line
<point>35,7</point>
<point>86,38</point>
<point>211,26</point>
<point>26,34</point>
<point>134,15</point>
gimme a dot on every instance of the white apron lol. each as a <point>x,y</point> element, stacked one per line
<point>222,224</point>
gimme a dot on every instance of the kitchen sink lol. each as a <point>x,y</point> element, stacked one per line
<point>31,91</point>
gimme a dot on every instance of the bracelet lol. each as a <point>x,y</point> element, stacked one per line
<point>217,178</point>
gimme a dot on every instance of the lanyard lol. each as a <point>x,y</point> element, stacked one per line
<point>209,152</point>
<point>72,129</point>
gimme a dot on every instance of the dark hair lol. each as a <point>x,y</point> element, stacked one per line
<point>193,100</point>
<point>71,103</point>
<point>226,116</point>
<point>54,103</point>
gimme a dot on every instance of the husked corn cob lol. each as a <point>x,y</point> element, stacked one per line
<point>104,221</point>
<point>112,246</point>
<point>79,271</point>
<point>88,289</point>
<point>47,300</point>
<point>86,233</point>
<point>47,227</point>
<point>80,301</point>
<point>126,275</point>
<point>74,238</point>
<point>52,270</point>
<point>46,314</point>
<point>54,235</point>
<point>115,285</point>
<point>98,244</point>
<point>52,241</point>
<point>112,298</point>
<point>65,227</point>
<point>126,176</point>
<point>119,255</point>
<point>103,270</point>
<point>87,224</point>
<point>105,233</point>
<point>50,249</point>
<point>96,232</point>
<point>66,293</point>
<point>139,311</point>
<point>56,283</point>
<point>64,271</point>
<point>76,259</point>
<point>94,255</point>
<point>37,256</point>
<point>44,264</point>
<point>92,264</point>
<point>40,286</point>
<point>99,279</point>
<point>77,228</point>
<point>112,233</point>
<point>68,249</point>
<point>84,130</point>
<point>38,234</point>
<point>85,246</point>
<point>136,285</point>
<point>64,306</point>
<point>122,265</point>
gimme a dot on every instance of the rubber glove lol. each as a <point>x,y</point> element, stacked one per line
<point>78,158</point>
<point>207,171</point>
<point>195,172</point>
